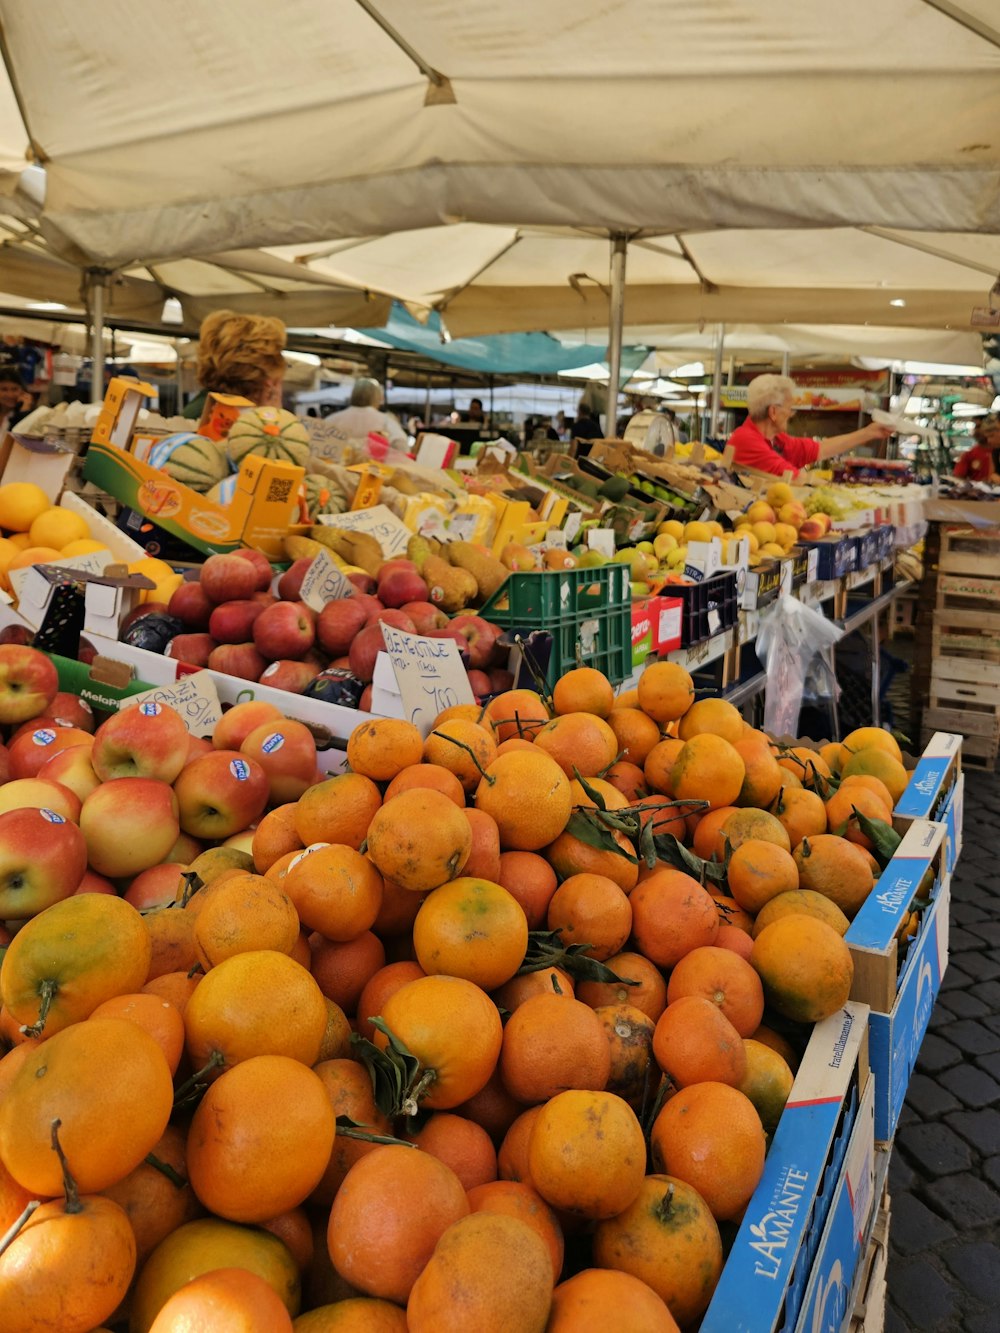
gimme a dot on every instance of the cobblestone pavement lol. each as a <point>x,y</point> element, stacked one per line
<point>944,1176</point>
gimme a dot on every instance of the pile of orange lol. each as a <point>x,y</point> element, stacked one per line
<point>202,1071</point>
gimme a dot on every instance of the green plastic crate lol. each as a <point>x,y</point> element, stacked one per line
<point>588,612</point>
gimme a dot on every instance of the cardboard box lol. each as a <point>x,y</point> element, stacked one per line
<point>765,1276</point>
<point>844,1241</point>
<point>901,998</point>
<point>123,401</point>
<point>219,413</point>
<point>669,623</point>
<point>931,792</point>
<point>44,462</point>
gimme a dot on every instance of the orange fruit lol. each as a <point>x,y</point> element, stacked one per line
<point>801,813</point>
<point>842,813</point>
<point>610,795</point>
<point>873,785</point>
<point>668,1239</point>
<point>635,732</point>
<point>627,778</point>
<point>492,1107</point>
<point>551,1043</point>
<point>649,996</point>
<point>21,503</point>
<point>337,810</point>
<point>595,1298</point>
<point>226,1298</point>
<point>876,763</point>
<point>591,910</point>
<point>397,910</point>
<point>380,748</point>
<point>730,912</point>
<point>805,967</point>
<point>707,768</point>
<point>158,1017</point>
<point>530,879</point>
<point>736,939</point>
<point>705,838</point>
<point>659,764</point>
<point>666,691</point>
<point>762,779</point>
<point>804,902</point>
<point>513,1198</point>
<point>630,1035</point>
<point>440,748</point>
<point>744,825</point>
<point>348,1088</point>
<point>171,934</point>
<point>836,868</point>
<point>587,1154</point>
<point>275,836</point>
<point>334,890</point>
<point>377,989</point>
<point>694,1042</point>
<point>529,796</point>
<point>516,713</point>
<point>867,738</point>
<point>725,979</point>
<point>461,1145</point>
<point>342,969</point>
<point>767,1082</point>
<point>246,912</point>
<point>467,1280</point>
<point>759,871</point>
<point>710,1136</point>
<point>389,1214</point>
<point>153,1202</point>
<point>808,765</point>
<point>428,776</point>
<point>355,1314</point>
<point>671,915</point>
<point>713,717</point>
<point>512,1159</point>
<point>583,690</point>
<point>578,742</point>
<point>569,855</point>
<point>768,1037</point>
<point>471,928</point>
<point>419,840</point>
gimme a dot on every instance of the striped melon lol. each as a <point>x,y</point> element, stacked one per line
<point>323,496</point>
<point>190,459</point>
<point>222,493</point>
<point>270,432</point>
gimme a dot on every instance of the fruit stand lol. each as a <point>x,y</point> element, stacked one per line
<point>269,755</point>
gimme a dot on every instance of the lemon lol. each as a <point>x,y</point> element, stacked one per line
<point>21,502</point>
<point>85,546</point>
<point>58,527</point>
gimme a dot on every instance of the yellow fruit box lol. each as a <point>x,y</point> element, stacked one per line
<point>260,514</point>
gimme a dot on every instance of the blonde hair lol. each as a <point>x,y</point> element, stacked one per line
<point>768,391</point>
<point>240,353</point>
<point>366,393</point>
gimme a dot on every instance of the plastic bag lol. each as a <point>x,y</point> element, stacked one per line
<point>792,644</point>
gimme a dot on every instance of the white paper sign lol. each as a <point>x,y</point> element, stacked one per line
<point>94,562</point>
<point>380,522</point>
<point>194,697</point>
<point>324,583</point>
<point>429,673</point>
<point>603,540</point>
<point>572,525</point>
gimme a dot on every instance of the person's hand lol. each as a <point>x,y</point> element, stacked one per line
<point>876,432</point>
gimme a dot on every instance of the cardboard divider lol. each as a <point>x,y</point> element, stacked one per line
<point>936,791</point>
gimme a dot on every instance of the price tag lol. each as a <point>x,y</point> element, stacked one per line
<point>380,522</point>
<point>94,562</point>
<point>194,697</point>
<point>369,489</point>
<point>714,621</point>
<point>572,525</point>
<point>603,540</point>
<point>324,583</point>
<point>429,673</point>
<point>812,564</point>
<point>785,586</point>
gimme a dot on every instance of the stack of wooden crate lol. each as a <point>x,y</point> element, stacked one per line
<point>958,639</point>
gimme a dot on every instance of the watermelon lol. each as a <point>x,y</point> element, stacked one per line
<point>193,460</point>
<point>269,432</point>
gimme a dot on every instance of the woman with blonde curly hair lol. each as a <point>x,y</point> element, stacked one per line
<point>240,354</point>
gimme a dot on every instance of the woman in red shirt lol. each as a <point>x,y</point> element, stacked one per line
<point>762,442</point>
<point>980,462</point>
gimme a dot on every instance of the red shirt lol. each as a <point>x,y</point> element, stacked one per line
<point>784,454</point>
<point>976,463</point>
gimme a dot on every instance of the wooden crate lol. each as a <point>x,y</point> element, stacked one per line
<point>970,634</point>
<point>869,1309</point>
<point>966,550</point>
<point>965,682</point>
<point>958,592</point>
<point>980,733</point>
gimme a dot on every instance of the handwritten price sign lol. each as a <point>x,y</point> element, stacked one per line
<point>324,583</point>
<point>429,673</point>
<point>379,522</point>
<point>194,697</point>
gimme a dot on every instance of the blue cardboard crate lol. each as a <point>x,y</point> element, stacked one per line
<point>900,981</point>
<point>766,1275</point>
<point>936,792</point>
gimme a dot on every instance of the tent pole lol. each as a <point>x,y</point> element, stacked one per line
<point>616,316</point>
<point>97,285</point>
<point>786,362</point>
<point>716,409</point>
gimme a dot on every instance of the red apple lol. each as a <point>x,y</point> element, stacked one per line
<point>365,702</point>
<point>94,883</point>
<point>185,850</point>
<point>480,683</point>
<point>221,794</point>
<point>262,565</point>
<point>263,598</point>
<point>73,769</point>
<point>363,582</point>
<point>86,652</point>
<point>287,754</point>
<point>191,605</point>
<point>21,635</point>
<point>394,565</point>
<point>197,745</point>
<point>28,683</point>
<point>130,824</point>
<point>365,648</point>
<point>290,583</point>
<point>237,659</point>
<point>288,674</point>
<point>192,649</point>
<point>42,859</point>
<point>284,630</point>
<point>71,709</point>
<point>237,722</point>
<point>339,622</point>
<point>426,616</point>
<point>397,619</point>
<point>41,794</point>
<point>343,662</point>
<point>227,578</point>
<point>501,680</point>
<point>4,764</point>
<point>233,622</point>
<point>480,635</point>
<point>30,751</point>
<point>400,586</point>
<point>143,609</point>
<point>26,728</point>
<point>156,887</point>
<point>145,740</point>
<point>456,636</point>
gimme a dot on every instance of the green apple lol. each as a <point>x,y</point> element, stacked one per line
<point>647,547</point>
<point>639,588</point>
<point>591,559</point>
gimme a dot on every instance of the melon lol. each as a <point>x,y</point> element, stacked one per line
<point>222,493</point>
<point>269,432</point>
<point>191,459</point>
<point>322,495</point>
